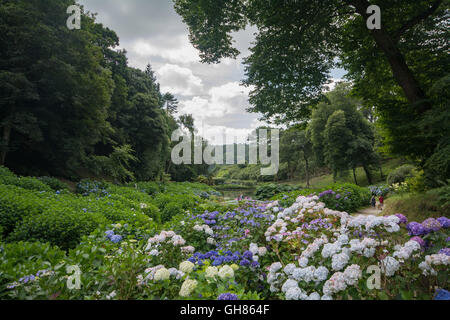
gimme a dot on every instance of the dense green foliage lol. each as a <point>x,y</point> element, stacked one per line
<point>400,71</point>
<point>41,214</point>
<point>72,107</point>
<point>400,174</point>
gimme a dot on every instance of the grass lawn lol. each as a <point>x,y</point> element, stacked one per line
<point>323,181</point>
<point>416,207</point>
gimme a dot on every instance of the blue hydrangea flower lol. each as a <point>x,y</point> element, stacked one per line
<point>228,296</point>
<point>109,233</point>
<point>442,294</point>
<point>116,238</point>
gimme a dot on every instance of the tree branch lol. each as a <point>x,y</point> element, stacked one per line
<point>417,19</point>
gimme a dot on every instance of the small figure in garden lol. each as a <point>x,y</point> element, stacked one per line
<point>381,199</point>
<point>373,201</point>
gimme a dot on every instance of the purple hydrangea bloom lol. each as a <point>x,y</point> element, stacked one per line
<point>338,196</point>
<point>416,229</point>
<point>444,221</point>
<point>445,251</point>
<point>419,240</point>
<point>402,218</point>
<point>431,224</point>
<point>228,296</point>
<point>447,240</point>
<point>244,263</point>
<point>248,255</point>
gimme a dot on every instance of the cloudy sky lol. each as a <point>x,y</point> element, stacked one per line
<point>152,32</point>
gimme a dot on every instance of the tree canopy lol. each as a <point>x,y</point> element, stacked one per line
<point>298,43</point>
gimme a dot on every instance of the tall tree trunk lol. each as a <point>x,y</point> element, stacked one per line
<point>400,69</point>
<point>368,174</point>
<point>307,171</point>
<point>5,143</point>
<point>354,176</point>
<point>381,172</point>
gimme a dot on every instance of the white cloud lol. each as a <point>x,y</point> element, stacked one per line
<point>152,32</point>
<point>179,80</point>
<point>176,50</point>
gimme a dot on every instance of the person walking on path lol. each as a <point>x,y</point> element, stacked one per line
<point>373,201</point>
<point>381,199</point>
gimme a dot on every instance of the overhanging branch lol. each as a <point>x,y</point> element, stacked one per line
<point>417,19</point>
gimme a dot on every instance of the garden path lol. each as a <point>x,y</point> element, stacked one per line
<point>369,211</point>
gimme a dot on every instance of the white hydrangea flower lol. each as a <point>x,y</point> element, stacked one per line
<point>188,249</point>
<point>187,287</point>
<point>253,248</point>
<point>303,262</point>
<point>434,259</point>
<point>288,285</point>
<point>330,249</point>
<point>339,261</point>
<point>211,272</point>
<point>226,272</point>
<point>295,293</point>
<point>356,246</point>
<point>352,274</point>
<point>186,266</point>
<point>391,265</point>
<point>321,274</point>
<point>369,252</point>
<point>343,239</point>
<point>275,267</point>
<point>262,251</point>
<point>273,278</point>
<point>314,296</point>
<point>407,250</point>
<point>289,269</point>
<point>335,284</point>
<point>177,240</point>
<point>162,274</point>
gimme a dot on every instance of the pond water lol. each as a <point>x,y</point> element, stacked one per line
<point>234,193</point>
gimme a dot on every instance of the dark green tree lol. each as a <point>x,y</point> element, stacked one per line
<point>55,89</point>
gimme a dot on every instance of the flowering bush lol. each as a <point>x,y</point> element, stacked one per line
<point>379,190</point>
<point>344,197</point>
<point>291,248</point>
<point>337,250</point>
